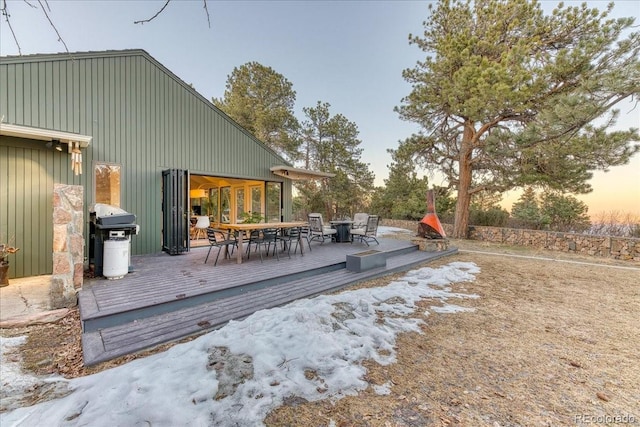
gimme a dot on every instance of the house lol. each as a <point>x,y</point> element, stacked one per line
<point>119,128</point>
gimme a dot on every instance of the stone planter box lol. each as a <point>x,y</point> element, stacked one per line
<point>367,260</point>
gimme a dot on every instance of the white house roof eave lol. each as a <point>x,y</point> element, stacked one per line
<point>41,134</point>
<point>299,174</point>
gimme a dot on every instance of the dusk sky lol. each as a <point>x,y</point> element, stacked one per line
<point>348,53</point>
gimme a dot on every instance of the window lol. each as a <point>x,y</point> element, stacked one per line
<point>273,201</point>
<point>214,204</point>
<point>225,204</point>
<point>239,203</point>
<point>107,180</point>
<point>256,199</point>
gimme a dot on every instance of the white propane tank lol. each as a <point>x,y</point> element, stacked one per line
<point>116,259</point>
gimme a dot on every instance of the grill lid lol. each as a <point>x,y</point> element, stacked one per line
<point>110,215</point>
<point>116,219</point>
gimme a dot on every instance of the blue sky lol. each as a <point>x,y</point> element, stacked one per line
<point>348,53</point>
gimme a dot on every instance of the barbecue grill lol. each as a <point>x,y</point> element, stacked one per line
<point>110,224</point>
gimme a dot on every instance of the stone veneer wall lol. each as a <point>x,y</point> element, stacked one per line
<point>68,245</point>
<point>624,248</point>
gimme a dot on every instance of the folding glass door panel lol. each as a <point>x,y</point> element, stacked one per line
<point>175,207</point>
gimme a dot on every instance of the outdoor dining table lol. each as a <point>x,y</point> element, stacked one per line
<point>343,228</point>
<point>243,228</point>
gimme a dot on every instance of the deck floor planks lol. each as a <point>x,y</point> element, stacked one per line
<point>318,283</point>
<point>152,284</point>
<point>145,333</point>
<point>227,307</point>
<point>151,332</point>
<point>98,323</point>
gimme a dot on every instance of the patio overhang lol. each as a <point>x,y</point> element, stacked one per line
<point>299,174</point>
<point>54,139</point>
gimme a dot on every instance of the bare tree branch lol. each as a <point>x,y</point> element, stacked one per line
<point>32,5</point>
<point>204,5</point>
<point>6,15</point>
<point>154,16</point>
<point>207,12</point>
<point>5,12</point>
<point>53,25</point>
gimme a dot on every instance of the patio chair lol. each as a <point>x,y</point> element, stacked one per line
<point>318,230</point>
<point>305,233</point>
<point>360,221</point>
<point>246,238</point>
<point>220,239</point>
<point>369,233</point>
<point>265,238</point>
<point>290,235</point>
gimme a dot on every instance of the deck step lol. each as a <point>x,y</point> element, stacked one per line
<point>130,337</point>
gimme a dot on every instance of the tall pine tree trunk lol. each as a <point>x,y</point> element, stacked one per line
<point>461,220</point>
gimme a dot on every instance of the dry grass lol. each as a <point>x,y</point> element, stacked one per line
<point>549,342</point>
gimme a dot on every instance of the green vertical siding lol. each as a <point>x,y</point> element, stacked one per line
<point>140,115</point>
<point>26,205</point>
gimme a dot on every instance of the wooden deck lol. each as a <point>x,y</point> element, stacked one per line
<point>170,297</point>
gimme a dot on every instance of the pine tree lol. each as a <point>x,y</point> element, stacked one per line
<point>262,100</point>
<point>564,213</point>
<point>331,144</point>
<point>404,194</point>
<point>527,209</point>
<point>507,97</point>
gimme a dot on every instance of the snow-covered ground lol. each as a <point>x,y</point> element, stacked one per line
<point>309,349</point>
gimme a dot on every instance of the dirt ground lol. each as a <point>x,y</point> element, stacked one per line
<point>553,340</point>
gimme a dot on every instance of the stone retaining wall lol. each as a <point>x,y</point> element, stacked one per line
<point>68,245</point>
<point>624,248</point>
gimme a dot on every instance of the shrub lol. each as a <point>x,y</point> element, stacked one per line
<point>491,217</point>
